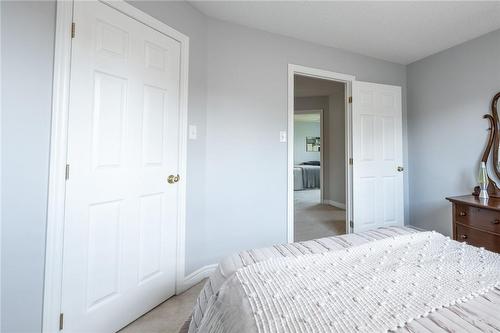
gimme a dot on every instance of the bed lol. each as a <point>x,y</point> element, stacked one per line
<point>306,177</point>
<point>239,296</point>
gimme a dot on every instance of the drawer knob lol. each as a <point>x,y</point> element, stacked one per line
<point>495,222</point>
<point>463,236</point>
<point>462,214</point>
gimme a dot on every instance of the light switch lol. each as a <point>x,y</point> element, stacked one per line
<point>193,132</point>
<point>282,136</point>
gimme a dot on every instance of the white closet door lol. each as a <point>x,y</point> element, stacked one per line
<point>377,156</point>
<point>121,214</point>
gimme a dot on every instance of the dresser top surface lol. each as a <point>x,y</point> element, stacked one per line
<point>471,200</point>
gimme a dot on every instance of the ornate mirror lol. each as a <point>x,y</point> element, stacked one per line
<point>493,143</point>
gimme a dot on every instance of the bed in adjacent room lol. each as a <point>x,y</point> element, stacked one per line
<point>306,176</point>
<point>388,279</point>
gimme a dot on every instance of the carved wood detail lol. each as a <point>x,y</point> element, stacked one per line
<point>493,141</point>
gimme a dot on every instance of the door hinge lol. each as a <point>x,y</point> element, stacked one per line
<point>67,172</point>
<point>73,28</point>
<point>351,161</point>
<point>61,321</point>
<point>350,99</point>
<point>351,224</point>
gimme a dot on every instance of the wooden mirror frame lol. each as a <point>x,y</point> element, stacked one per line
<point>493,142</point>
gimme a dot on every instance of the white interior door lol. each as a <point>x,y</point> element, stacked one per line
<point>121,214</point>
<point>377,156</point>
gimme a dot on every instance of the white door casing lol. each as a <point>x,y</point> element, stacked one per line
<point>120,236</point>
<point>377,154</point>
<point>325,75</point>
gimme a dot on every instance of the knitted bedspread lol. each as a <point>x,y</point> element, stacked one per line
<point>374,287</point>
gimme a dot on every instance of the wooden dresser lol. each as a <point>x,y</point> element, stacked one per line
<point>476,221</point>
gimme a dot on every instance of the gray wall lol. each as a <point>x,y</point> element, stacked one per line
<point>448,93</point>
<point>246,108</point>
<point>27,57</point>
<point>303,129</point>
<point>335,154</point>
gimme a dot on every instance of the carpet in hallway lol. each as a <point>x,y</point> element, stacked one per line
<point>313,219</point>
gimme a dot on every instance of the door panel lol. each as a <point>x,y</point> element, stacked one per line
<point>103,240</point>
<point>110,96</point>
<point>123,142</point>
<point>150,236</point>
<point>367,215</point>
<point>377,154</point>
<point>367,137</point>
<point>153,125</point>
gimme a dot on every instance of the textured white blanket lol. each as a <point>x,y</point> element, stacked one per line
<point>374,287</point>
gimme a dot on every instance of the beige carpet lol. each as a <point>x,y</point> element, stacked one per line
<point>316,220</point>
<point>167,317</point>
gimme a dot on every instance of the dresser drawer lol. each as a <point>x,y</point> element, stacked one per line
<point>478,238</point>
<point>484,219</point>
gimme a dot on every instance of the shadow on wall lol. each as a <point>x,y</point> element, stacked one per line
<point>435,211</point>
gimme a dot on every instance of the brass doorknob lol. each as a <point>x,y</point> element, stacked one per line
<point>400,168</point>
<point>173,179</point>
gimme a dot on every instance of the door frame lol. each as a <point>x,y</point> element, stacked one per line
<point>58,152</point>
<point>325,75</point>
<point>321,141</point>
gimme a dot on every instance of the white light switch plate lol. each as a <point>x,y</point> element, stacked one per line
<point>283,136</point>
<point>193,132</point>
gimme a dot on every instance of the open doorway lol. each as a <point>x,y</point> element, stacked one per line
<point>319,157</point>
<point>373,150</point>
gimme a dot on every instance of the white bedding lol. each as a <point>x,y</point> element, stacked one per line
<point>245,303</point>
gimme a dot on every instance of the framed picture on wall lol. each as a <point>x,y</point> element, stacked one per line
<point>313,144</point>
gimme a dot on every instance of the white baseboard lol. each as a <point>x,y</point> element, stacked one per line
<point>334,204</point>
<point>195,277</point>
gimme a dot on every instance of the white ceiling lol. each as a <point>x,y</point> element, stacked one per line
<point>401,32</point>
